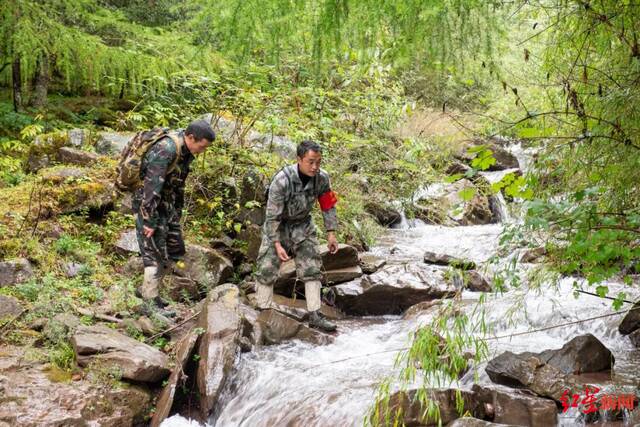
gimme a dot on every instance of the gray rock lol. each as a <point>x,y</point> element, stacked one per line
<point>207,267</point>
<point>126,204</point>
<point>371,263</point>
<point>135,360</point>
<point>112,143</point>
<point>252,236</point>
<point>345,257</point>
<point>13,272</point>
<point>504,159</point>
<point>630,322</point>
<point>412,412</point>
<point>255,216</point>
<point>77,137</point>
<point>72,269</point>
<point>385,215</point>
<point>61,327</point>
<point>76,157</point>
<point>393,289</point>
<point>59,176</point>
<point>475,282</point>
<point>32,398</point>
<point>9,308</point>
<point>278,327</point>
<point>342,275</point>
<point>184,350</point>
<point>475,422</point>
<point>422,308</point>
<point>37,161</point>
<point>583,354</point>
<point>252,187</point>
<point>444,259</point>
<point>280,145</point>
<point>127,243</point>
<point>635,338</point>
<point>528,371</point>
<point>218,347</point>
<point>515,407</point>
<point>297,308</point>
<point>533,255</point>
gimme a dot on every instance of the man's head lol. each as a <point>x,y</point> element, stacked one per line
<point>198,136</point>
<point>309,157</point>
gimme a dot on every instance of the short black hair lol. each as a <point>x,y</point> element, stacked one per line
<point>308,145</point>
<point>201,129</point>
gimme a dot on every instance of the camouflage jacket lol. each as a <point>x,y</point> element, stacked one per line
<point>160,192</point>
<point>290,203</point>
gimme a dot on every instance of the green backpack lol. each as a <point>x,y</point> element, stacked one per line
<point>128,170</point>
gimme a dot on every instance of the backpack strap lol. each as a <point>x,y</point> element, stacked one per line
<point>179,142</point>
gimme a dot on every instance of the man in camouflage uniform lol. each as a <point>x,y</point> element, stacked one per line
<point>159,201</point>
<point>289,229</point>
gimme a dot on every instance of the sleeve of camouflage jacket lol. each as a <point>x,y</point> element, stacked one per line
<point>330,217</point>
<point>158,159</point>
<point>275,206</point>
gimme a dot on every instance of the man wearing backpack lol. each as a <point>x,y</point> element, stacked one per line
<point>158,198</point>
<point>289,229</point>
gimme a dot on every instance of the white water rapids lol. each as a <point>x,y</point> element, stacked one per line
<point>299,384</point>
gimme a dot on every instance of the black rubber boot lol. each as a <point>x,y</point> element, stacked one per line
<point>318,321</point>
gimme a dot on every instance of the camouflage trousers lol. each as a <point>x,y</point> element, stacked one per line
<point>166,244</point>
<point>300,242</point>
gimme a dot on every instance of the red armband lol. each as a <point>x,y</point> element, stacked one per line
<point>327,200</point>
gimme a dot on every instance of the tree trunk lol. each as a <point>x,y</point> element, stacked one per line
<point>17,85</point>
<point>41,82</point>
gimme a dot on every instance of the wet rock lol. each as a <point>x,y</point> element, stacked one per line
<point>527,371</point>
<point>15,271</point>
<point>127,243</point>
<point>445,205</point>
<point>630,322</point>
<point>278,327</point>
<point>457,168</point>
<point>583,354</point>
<point>422,308</point>
<point>393,289</point>
<point>533,255</point>
<point>252,235</point>
<point>346,256</point>
<point>477,211</point>
<point>509,406</point>
<point>343,275</point>
<point>635,338</point>
<point>475,422</point>
<point>77,137</point>
<point>218,347</point>
<point>371,263</point>
<point>9,308</point>
<point>444,259</point>
<point>475,282</point>
<point>207,267</point>
<point>76,157</point>
<point>251,329</point>
<point>412,412</point>
<point>135,360</point>
<point>184,350</point>
<point>31,399</point>
<point>504,159</point>
<point>112,143</point>
<point>385,215</point>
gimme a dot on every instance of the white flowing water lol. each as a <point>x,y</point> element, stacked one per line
<point>299,384</point>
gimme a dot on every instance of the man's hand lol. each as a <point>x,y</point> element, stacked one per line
<point>148,231</point>
<point>332,242</point>
<point>282,254</point>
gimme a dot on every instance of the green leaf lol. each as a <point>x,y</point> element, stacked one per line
<point>467,194</point>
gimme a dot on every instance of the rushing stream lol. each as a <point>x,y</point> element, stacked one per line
<point>299,384</point>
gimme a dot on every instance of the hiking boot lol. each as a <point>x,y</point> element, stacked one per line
<point>318,321</point>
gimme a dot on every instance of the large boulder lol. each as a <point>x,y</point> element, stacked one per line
<point>127,243</point>
<point>207,267</point>
<point>278,327</point>
<point>629,324</point>
<point>476,282</point>
<point>33,396</point>
<point>583,354</point>
<point>77,137</point>
<point>393,289</point>
<point>533,255</point>
<point>635,338</point>
<point>282,146</point>
<point>509,406</point>
<point>384,214</point>
<point>297,308</point>
<point>135,360</point>
<point>504,159</point>
<point>9,308</point>
<point>184,350</point>
<point>346,256</point>
<point>13,272</point>
<point>527,371</point>
<point>444,259</point>
<point>76,157</point>
<point>112,143</point>
<point>221,320</point>
<point>371,263</point>
<point>69,190</point>
<point>450,205</point>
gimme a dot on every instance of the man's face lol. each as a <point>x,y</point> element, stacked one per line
<point>310,163</point>
<point>197,147</point>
